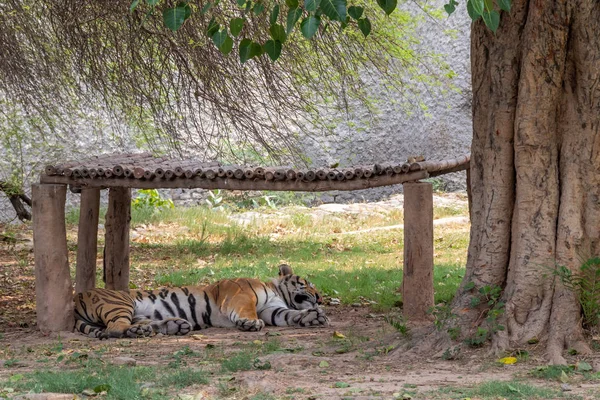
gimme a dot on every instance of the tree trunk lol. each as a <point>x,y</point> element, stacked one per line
<point>535,164</point>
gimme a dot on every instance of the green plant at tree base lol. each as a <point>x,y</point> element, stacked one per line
<point>487,296</point>
<point>586,286</point>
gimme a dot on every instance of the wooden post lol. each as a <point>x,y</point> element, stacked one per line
<point>53,287</point>
<point>87,240</point>
<point>417,283</point>
<point>116,251</point>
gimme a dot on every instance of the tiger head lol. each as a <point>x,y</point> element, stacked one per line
<point>298,292</point>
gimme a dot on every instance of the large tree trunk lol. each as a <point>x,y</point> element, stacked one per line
<point>535,169</point>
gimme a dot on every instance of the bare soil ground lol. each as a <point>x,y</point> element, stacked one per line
<point>372,361</point>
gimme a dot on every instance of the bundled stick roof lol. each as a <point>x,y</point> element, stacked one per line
<point>144,171</point>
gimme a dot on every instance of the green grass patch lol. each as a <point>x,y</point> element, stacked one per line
<point>119,382</point>
<point>511,390</point>
<point>200,245</point>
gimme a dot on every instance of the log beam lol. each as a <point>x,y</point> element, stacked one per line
<point>417,283</point>
<point>214,182</point>
<point>53,287</point>
<point>116,251</point>
<point>87,240</point>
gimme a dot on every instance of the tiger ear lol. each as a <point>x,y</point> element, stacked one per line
<point>285,269</point>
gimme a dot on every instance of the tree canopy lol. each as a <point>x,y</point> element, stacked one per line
<point>184,89</point>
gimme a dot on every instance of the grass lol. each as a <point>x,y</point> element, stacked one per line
<point>197,245</point>
<point>119,382</point>
<point>510,390</point>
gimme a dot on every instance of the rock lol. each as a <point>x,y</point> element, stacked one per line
<point>89,393</point>
<point>334,302</point>
<point>565,387</point>
<point>124,361</point>
<point>356,305</point>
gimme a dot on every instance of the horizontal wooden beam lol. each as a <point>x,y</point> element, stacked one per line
<point>238,184</point>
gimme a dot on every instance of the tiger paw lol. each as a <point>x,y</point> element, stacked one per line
<point>250,325</point>
<point>136,331</point>
<point>177,326</point>
<point>314,317</point>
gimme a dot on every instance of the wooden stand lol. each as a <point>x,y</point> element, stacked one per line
<point>53,287</point>
<point>87,240</point>
<point>116,252</point>
<point>417,283</point>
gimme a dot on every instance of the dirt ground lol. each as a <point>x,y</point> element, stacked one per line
<point>372,360</point>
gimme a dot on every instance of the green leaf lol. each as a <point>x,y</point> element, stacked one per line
<point>227,46</point>
<point>258,8</point>
<point>213,27</point>
<point>470,285</point>
<point>477,6</point>
<point>489,5</point>
<point>249,49</point>
<point>388,5</point>
<point>206,7</point>
<point>292,3</point>
<point>241,3</point>
<point>277,32</point>
<point>134,5</point>
<point>175,17</point>
<point>365,26</point>
<point>450,8</point>
<point>492,20</point>
<point>292,18</point>
<point>309,26</point>
<point>504,5</point>
<point>311,5</point>
<point>583,366</point>
<point>152,2</point>
<point>219,38</point>
<point>341,385</point>
<point>355,12</point>
<point>245,49</point>
<point>273,49</point>
<point>274,14</point>
<point>471,11</point>
<point>335,9</point>
<point>235,26</point>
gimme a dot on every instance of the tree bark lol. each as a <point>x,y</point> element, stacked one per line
<point>535,164</point>
<point>17,198</point>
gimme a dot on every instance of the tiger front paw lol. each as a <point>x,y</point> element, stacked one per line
<point>250,325</point>
<point>313,317</point>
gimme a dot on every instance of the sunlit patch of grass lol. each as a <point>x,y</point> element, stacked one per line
<point>197,245</point>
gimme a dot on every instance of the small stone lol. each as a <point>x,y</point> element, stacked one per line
<point>124,361</point>
<point>89,392</point>
<point>565,387</point>
<point>355,305</point>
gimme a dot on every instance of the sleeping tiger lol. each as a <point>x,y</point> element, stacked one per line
<point>245,303</point>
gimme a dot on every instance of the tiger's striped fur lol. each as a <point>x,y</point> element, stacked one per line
<point>245,303</point>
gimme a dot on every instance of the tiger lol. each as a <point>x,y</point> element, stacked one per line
<point>246,303</point>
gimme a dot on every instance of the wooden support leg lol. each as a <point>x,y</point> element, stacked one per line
<point>116,251</point>
<point>53,287</point>
<point>417,283</point>
<point>87,240</point>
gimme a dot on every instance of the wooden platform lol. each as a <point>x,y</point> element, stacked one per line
<point>119,173</point>
<point>142,171</point>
